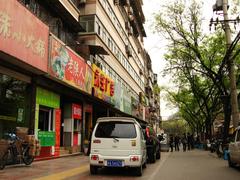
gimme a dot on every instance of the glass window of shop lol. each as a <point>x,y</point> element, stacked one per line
<point>14,104</point>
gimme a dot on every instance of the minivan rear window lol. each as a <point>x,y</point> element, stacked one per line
<point>115,129</point>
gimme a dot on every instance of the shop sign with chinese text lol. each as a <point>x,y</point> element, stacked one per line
<point>22,35</point>
<point>47,98</point>
<point>127,106</point>
<point>67,66</point>
<point>102,84</point>
<point>116,100</point>
<point>76,111</point>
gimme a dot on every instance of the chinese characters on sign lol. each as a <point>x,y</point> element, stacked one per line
<point>103,85</point>
<point>69,67</point>
<point>76,111</point>
<point>27,40</point>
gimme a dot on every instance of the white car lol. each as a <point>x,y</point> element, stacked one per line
<point>118,142</point>
<point>234,149</point>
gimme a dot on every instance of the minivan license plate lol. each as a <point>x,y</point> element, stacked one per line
<point>114,163</point>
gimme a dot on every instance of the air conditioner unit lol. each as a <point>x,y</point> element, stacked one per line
<point>130,10</point>
<point>127,25</point>
<point>128,51</point>
<point>139,50</point>
<point>116,2</point>
<point>130,31</point>
<point>131,17</point>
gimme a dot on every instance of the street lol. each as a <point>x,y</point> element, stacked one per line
<point>191,165</point>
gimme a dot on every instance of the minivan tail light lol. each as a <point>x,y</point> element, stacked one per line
<point>134,158</point>
<point>97,141</point>
<point>94,157</point>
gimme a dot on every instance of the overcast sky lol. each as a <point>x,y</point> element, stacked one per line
<point>156,46</point>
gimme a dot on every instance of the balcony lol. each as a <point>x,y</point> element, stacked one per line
<point>67,10</point>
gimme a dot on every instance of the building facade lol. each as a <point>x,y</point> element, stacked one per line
<point>68,62</point>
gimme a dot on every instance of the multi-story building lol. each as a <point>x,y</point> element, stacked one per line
<point>64,63</point>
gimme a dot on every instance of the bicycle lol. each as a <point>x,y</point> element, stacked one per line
<point>14,154</point>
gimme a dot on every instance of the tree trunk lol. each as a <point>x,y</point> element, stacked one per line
<point>227,116</point>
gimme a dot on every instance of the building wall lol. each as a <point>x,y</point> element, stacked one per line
<point>113,22</point>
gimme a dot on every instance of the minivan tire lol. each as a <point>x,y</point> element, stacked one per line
<point>93,169</point>
<point>139,170</point>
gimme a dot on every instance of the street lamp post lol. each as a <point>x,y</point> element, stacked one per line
<point>223,5</point>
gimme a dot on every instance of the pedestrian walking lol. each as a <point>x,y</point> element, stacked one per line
<point>171,142</point>
<point>89,141</point>
<point>184,142</point>
<point>176,142</point>
<point>189,141</point>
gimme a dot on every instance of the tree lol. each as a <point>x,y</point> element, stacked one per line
<point>197,62</point>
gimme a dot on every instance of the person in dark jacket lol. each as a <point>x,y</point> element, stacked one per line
<point>171,142</point>
<point>89,141</point>
<point>189,139</point>
<point>184,142</point>
<point>176,142</point>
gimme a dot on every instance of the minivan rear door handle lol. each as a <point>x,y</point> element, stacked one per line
<point>116,139</point>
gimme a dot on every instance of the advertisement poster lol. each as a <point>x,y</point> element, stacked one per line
<point>116,100</point>
<point>127,106</point>
<point>26,40</point>
<point>76,111</point>
<point>104,86</point>
<point>135,110</point>
<point>67,66</point>
<point>57,130</point>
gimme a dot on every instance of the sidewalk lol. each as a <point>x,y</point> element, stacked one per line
<point>40,169</point>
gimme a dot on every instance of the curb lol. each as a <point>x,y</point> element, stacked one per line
<point>61,156</point>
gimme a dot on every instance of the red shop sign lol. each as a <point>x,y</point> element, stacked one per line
<point>67,66</point>
<point>23,35</point>
<point>76,111</point>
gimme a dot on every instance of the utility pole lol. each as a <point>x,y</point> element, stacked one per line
<point>231,65</point>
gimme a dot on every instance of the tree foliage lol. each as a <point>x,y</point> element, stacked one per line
<point>198,64</point>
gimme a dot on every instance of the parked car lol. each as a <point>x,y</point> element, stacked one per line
<point>234,149</point>
<point>118,142</point>
<point>164,143</point>
<point>153,145</point>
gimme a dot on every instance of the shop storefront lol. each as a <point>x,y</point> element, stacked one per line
<point>47,122</point>
<point>72,127</point>
<point>23,52</point>
<point>68,68</point>
<point>14,101</point>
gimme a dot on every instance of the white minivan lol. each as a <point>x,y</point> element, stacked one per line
<point>118,142</point>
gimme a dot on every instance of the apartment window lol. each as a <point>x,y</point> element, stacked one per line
<point>98,29</point>
<point>104,36</point>
<point>87,23</point>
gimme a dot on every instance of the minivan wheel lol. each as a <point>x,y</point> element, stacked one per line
<point>139,171</point>
<point>93,169</point>
<point>144,164</point>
